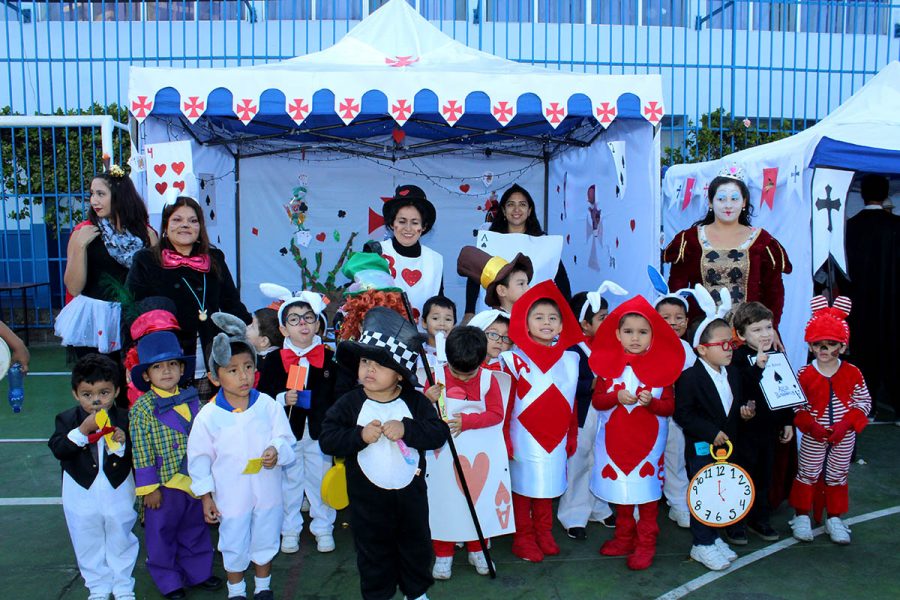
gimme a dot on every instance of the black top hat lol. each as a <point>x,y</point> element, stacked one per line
<point>388,339</point>
<point>409,195</point>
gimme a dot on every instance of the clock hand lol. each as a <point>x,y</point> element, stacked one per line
<point>720,491</point>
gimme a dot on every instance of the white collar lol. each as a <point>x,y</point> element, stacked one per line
<point>721,374</point>
<point>289,345</point>
<point>873,207</point>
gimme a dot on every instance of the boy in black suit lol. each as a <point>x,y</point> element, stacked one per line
<point>98,487</point>
<point>708,407</point>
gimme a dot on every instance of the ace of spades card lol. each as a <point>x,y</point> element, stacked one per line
<point>170,173</point>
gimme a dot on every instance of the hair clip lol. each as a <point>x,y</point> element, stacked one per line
<point>116,171</point>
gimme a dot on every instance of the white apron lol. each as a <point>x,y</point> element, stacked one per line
<point>382,462</point>
<point>419,277</point>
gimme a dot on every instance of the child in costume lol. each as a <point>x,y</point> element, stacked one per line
<point>541,424</point>
<point>438,318</point>
<point>474,405</point>
<point>239,442</point>
<point>836,409</point>
<point>264,332</point>
<point>637,357</point>
<point>97,485</point>
<point>503,281</point>
<point>495,325</point>
<point>298,316</point>
<point>179,551</point>
<point>577,506</point>
<point>708,406</point>
<point>154,313</point>
<point>382,429</point>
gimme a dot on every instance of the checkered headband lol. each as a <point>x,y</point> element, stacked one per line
<point>402,355</point>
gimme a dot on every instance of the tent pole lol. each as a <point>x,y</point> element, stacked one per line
<point>237,214</point>
<point>546,157</point>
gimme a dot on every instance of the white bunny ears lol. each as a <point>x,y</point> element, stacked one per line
<point>485,318</point>
<point>662,287</point>
<point>272,290</point>
<point>708,305</point>
<point>595,299</point>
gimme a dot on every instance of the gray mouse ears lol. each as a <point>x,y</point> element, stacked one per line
<point>234,331</point>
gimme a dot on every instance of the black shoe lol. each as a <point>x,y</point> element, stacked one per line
<point>764,531</point>
<point>264,595</point>
<point>212,584</point>
<point>577,533</point>
<point>735,535</point>
<point>610,521</point>
<point>178,594</point>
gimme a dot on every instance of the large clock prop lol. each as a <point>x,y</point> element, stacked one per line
<point>721,493</point>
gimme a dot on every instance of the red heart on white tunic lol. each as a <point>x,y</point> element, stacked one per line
<point>179,185</point>
<point>609,473</point>
<point>178,167</point>
<point>159,170</point>
<point>630,436</point>
<point>647,470</point>
<point>161,188</point>
<point>411,276</point>
<point>503,502</point>
<point>476,474</point>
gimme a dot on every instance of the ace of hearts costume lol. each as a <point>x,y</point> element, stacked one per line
<point>631,439</point>
<point>541,426</point>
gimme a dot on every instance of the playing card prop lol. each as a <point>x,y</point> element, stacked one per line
<point>617,152</point>
<point>779,384</point>
<point>170,173</point>
<point>829,203</point>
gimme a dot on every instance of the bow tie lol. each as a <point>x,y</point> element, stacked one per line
<point>183,397</point>
<point>173,260</point>
<point>315,356</point>
<point>93,438</point>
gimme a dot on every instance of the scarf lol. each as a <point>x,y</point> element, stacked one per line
<point>121,245</point>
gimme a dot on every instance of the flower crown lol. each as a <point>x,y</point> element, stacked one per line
<point>733,171</point>
<point>116,171</point>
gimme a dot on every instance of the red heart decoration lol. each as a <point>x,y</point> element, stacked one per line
<point>464,188</point>
<point>411,276</point>
<point>161,187</point>
<point>476,474</point>
<point>609,473</point>
<point>390,262</point>
<point>647,470</point>
<point>99,333</point>
<point>159,170</point>
<point>503,499</point>
<point>399,135</point>
<point>178,167</point>
<point>632,223</point>
<point>320,236</point>
<point>630,436</point>
<point>179,185</point>
<point>402,192</point>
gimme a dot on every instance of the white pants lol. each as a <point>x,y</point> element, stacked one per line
<point>100,520</point>
<point>251,536</point>
<point>304,476</point>
<point>578,504</point>
<point>676,483</point>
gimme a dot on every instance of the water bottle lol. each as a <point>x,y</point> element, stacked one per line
<point>16,379</point>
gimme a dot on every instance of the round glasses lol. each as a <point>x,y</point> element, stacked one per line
<point>496,337</point>
<point>309,317</point>
<point>727,345</point>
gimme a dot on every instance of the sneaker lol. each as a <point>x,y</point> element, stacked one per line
<point>726,551</point>
<point>764,530</point>
<point>443,567</point>
<point>610,521</point>
<point>264,595</point>
<point>325,543</point>
<point>801,528</point>
<point>577,533</point>
<point>681,517</point>
<point>736,535</point>
<point>710,557</point>
<point>479,561</point>
<point>290,543</point>
<point>837,530</point>
<point>99,596</point>
<point>124,596</point>
<point>178,594</point>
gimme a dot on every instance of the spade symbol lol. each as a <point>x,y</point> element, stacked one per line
<point>778,377</point>
<point>474,233</point>
<point>208,201</point>
<point>342,214</point>
<point>283,251</point>
<point>212,215</point>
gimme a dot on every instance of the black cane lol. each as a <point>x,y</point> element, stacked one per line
<point>462,478</point>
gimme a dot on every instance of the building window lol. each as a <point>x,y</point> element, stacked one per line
<point>614,12</point>
<point>561,11</point>
<point>727,14</point>
<point>510,11</point>
<point>669,13</point>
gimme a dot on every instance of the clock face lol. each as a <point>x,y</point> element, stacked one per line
<point>720,494</point>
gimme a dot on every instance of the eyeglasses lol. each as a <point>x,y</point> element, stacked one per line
<point>294,319</point>
<point>496,337</point>
<point>727,345</point>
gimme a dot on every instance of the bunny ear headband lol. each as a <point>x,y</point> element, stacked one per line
<point>233,331</point>
<point>595,299</point>
<point>315,301</point>
<point>708,305</point>
<point>828,322</point>
<point>662,287</point>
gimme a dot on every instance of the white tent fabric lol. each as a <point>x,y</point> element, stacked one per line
<point>868,118</point>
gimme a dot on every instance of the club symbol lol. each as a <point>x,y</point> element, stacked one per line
<point>735,255</point>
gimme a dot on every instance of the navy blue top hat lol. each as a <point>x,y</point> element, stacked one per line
<point>157,347</point>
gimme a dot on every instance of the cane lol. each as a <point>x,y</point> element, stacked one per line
<point>459,472</point>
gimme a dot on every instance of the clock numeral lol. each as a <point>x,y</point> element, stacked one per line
<point>699,480</point>
<point>743,504</point>
<point>718,518</point>
<point>732,515</point>
<point>696,489</point>
<point>708,513</point>
<point>747,490</point>
<point>720,470</point>
<point>741,480</point>
<point>708,472</point>
<point>697,505</point>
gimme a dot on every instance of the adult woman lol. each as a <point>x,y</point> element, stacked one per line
<point>516,214</point>
<point>723,249</point>
<point>100,252</point>
<point>417,269</point>
<point>184,267</point>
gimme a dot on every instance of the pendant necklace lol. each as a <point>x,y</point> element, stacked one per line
<point>201,314</point>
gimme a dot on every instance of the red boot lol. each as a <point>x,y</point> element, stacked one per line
<point>524,545</point>
<point>801,498</point>
<point>837,499</point>
<point>647,531</point>
<point>542,510</point>
<point>623,540</point>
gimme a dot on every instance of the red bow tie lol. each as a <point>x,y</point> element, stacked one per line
<point>93,438</point>
<point>316,357</point>
<point>173,260</point>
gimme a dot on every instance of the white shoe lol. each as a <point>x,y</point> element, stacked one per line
<point>709,557</point>
<point>325,543</point>
<point>443,566</point>
<point>99,596</point>
<point>682,518</point>
<point>839,532</point>
<point>422,597</point>
<point>290,543</point>
<point>801,528</point>
<point>124,596</point>
<point>726,551</point>
<point>479,561</point>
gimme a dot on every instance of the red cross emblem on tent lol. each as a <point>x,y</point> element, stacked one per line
<point>192,108</point>
<point>245,110</point>
<point>653,112</point>
<point>298,110</point>
<point>605,112</point>
<point>555,113</point>
<point>348,109</point>
<point>141,107</point>
<point>401,110</point>
<point>503,111</point>
<point>401,61</point>
<point>452,111</point>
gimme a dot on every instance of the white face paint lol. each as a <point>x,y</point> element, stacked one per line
<point>728,203</point>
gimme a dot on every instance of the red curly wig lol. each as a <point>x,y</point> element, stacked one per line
<point>355,309</point>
